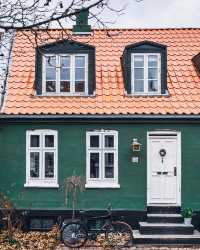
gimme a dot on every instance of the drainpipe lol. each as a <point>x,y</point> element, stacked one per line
<point>6,46</point>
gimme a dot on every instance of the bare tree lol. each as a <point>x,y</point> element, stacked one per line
<point>37,14</point>
<point>73,185</point>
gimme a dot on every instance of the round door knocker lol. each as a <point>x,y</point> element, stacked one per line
<point>162,152</point>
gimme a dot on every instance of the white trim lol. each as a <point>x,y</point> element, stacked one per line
<point>102,182</point>
<point>41,181</point>
<point>146,92</point>
<point>165,134</point>
<point>102,185</point>
<point>72,75</point>
<point>41,184</point>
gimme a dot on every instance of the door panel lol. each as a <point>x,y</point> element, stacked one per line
<point>162,161</point>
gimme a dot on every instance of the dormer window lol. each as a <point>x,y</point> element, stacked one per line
<point>145,68</point>
<point>65,67</point>
<point>65,74</point>
<point>145,73</point>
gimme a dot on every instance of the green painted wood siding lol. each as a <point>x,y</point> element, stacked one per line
<point>72,157</point>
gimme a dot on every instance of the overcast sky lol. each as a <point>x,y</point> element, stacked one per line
<point>158,13</point>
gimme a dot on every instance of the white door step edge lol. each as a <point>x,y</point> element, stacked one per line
<point>137,235</point>
<point>164,215</point>
<point>146,224</point>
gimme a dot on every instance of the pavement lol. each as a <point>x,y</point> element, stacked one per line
<point>138,247</point>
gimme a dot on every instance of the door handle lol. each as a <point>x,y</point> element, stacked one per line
<point>175,171</point>
<point>165,173</point>
<point>159,173</point>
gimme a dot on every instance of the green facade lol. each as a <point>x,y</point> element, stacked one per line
<point>72,157</point>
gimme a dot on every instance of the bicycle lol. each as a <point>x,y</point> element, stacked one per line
<point>75,232</point>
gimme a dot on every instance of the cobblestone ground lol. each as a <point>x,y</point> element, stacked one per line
<point>139,247</point>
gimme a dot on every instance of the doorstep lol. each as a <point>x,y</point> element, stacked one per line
<point>166,239</point>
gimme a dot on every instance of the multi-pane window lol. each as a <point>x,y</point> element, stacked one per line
<point>41,158</point>
<point>65,74</point>
<point>146,74</point>
<point>102,159</point>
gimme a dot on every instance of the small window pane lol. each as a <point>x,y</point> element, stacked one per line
<point>139,86</point>
<point>50,74</point>
<point>49,164</point>
<point>94,141</point>
<point>35,224</point>
<point>153,61</point>
<point>34,164</point>
<point>50,61</point>
<point>65,86</point>
<point>138,73</point>
<point>49,141</point>
<point>65,61</point>
<point>109,141</point>
<point>65,74</point>
<point>152,73</point>
<point>38,223</point>
<point>79,86</point>
<point>50,86</point>
<point>109,165</point>
<point>153,86</point>
<point>94,165</point>
<point>47,223</point>
<point>138,61</point>
<point>80,61</point>
<point>80,74</point>
<point>35,141</point>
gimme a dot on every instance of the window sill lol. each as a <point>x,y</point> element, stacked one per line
<point>41,185</point>
<point>166,94</point>
<point>65,95</point>
<point>102,185</point>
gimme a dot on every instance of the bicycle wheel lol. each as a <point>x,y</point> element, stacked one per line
<point>74,234</point>
<point>119,234</point>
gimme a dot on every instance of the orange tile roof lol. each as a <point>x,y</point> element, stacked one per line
<point>183,79</point>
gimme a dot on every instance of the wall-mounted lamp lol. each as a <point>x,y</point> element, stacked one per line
<point>136,145</point>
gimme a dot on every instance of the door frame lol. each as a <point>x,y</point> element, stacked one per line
<point>163,134</point>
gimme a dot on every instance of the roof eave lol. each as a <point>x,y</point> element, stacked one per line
<point>111,117</point>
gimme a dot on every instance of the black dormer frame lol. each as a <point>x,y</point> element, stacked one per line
<point>196,61</point>
<point>65,47</point>
<point>144,47</point>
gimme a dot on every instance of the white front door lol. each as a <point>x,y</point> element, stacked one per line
<point>163,168</point>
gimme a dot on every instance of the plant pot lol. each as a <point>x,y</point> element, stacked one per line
<point>187,221</point>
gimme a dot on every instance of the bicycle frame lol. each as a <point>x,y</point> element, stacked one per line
<point>86,221</point>
<point>75,232</point>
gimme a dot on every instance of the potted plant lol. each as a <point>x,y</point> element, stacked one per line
<point>187,214</point>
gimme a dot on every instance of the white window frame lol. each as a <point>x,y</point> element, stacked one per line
<point>102,182</point>
<point>72,75</point>
<point>42,181</point>
<point>146,92</point>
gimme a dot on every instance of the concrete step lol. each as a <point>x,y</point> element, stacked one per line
<point>164,218</point>
<point>165,228</point>
<point>163,210</point>
<point>182,239</point>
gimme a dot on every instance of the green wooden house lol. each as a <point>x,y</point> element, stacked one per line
<point>123,111</point>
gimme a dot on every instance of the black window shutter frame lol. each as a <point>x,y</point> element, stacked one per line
<point>144,47</point>
<point>65,47</point>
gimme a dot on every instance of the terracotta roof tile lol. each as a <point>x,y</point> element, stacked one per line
<point>110,98</point>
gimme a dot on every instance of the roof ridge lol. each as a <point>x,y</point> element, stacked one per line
<point>129,28</point>
<point>158,28</point>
